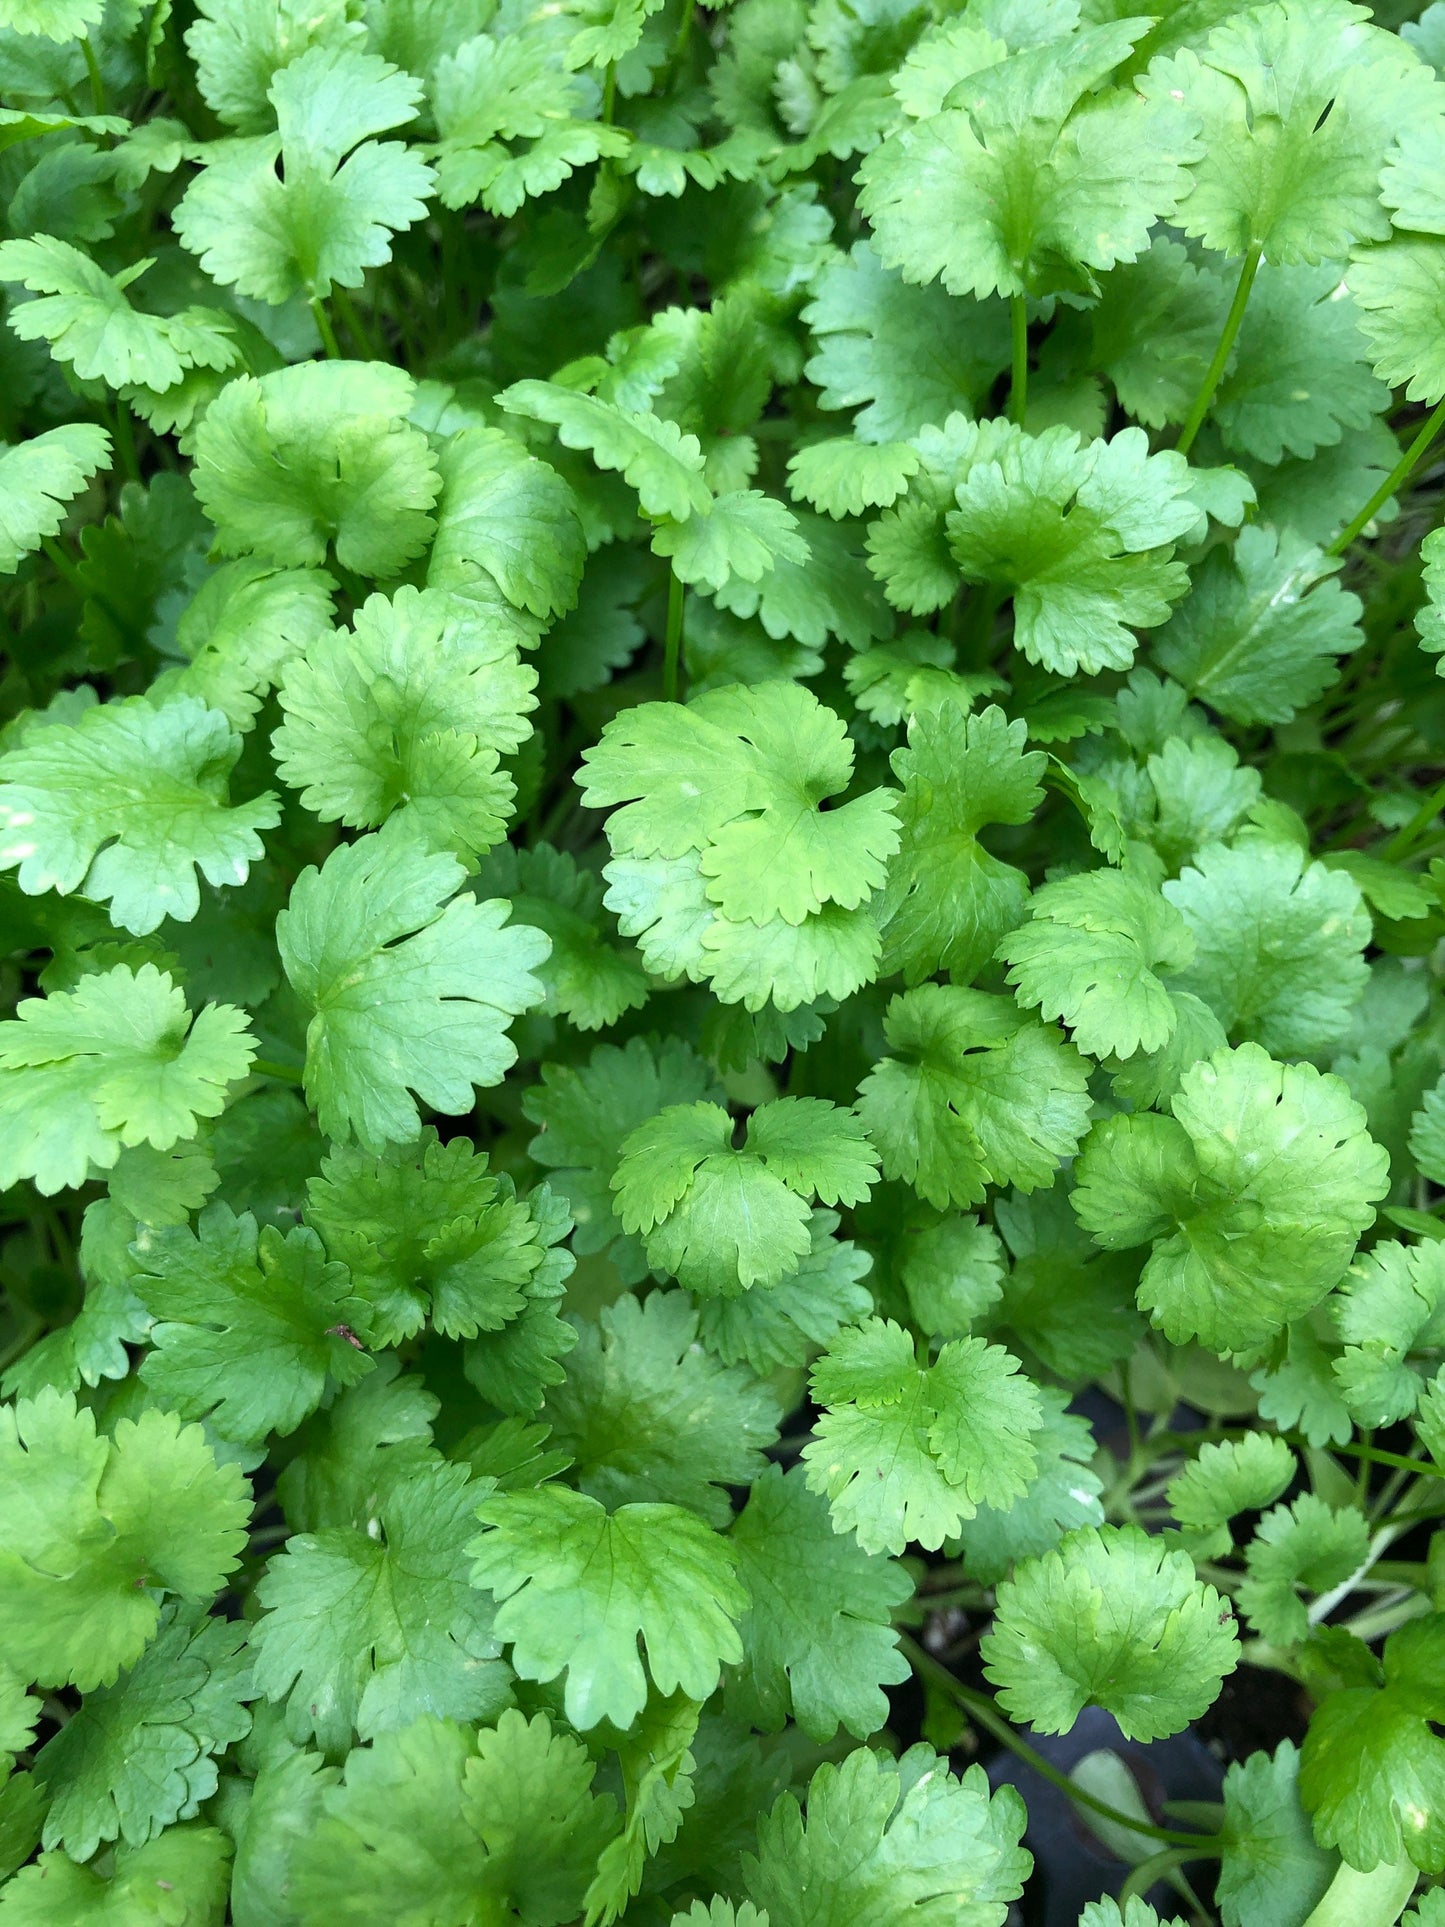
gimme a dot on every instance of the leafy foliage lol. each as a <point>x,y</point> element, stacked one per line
<point>722,872</point>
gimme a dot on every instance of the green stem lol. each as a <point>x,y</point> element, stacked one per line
<point>679,46</point>
<point>609,93</point>
<point>125,441</point>
<point>982,1710</point>
<point>282,1073</point>
<point>1405,838</point>
<point>1194,421</point>
<point>324,328</point>
<point>1168,1861</point>
<point>672,644</point>
<point>97,79</point>
<point>355,327</point>
<point>1018,394</point>
<point>1400,473</point>
<point>1374,1899</point>
<point>1373,1455</point>
<point>69,570</point>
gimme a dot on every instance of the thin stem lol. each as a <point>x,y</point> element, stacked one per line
<point>97,80</point>
<point>609,93</point>
<point>1018,394</point>
<point>1374,1455</point>
<point>982,1709</point>
<point>1400,473</point>
<point>68,569</point>
<point>282,1073</point>
<point>672,644</point>
<point>1405,838</point>
<point>1157,1867</point>
<point>324,328</point>
<point>1194,421</point>
<point>125,441</point>
<point>679,46</point>
<point>355,327</point>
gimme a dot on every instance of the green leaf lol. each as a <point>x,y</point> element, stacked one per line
<point>1237,1475</point>
<point>431,1822</point>
<point>817,1638</point>
<point>179,1880</point>
<point>905,1452</point>
<point>365,1628</point>
<point>1252,1194</point>
<point>330,211</point>
<point>741,536</point>
<point>948,900</point>
<point>782,1325</point>
<point>721,1220</point>
<point>88,320</point>
<point>861,314</point>
<point>1062,1496</point>
<point>427,1232</point>
<point>406,714</point>
<point>589,979</point>
<point>1297,105</point>
<point>645,1414</point>
<point>314,455</point>
<point>252,1330</point>
<point>114,1063</point>
<point>1271,1870</point>
<point>1092,957</point>
<point>1034,176</point>
<point>1258,637</point>
<point>1305,1544</point>
<point>506,512</point>
<point>126,804</point>
<point>1372,1771</point>
<point>977,1094</point>
<point>578,1587</point>
<point>1391,1303</point>
<point>891,1842</point>
<point>39,479</point>
<point>95,1529</point>
<point>657,1766</point>
<point>843,477</point>
<point>655,456</point>
<point>1111,1619</point>
<point>141,1753</point>
<point>1278,946</point>
<point>412,986</point>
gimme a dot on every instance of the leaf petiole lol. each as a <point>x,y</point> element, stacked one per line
<point>1213,374</point>
<point>672,642</point>
<point>1018,394</point>
<point>1402,470</point>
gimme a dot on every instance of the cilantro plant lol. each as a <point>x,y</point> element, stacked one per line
<point>722,872</point>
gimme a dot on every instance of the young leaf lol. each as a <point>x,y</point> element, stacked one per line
<point>39,479</point>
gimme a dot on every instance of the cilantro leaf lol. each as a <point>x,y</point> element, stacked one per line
<point>115,1062</point>
<point>948,900</point>
<point>578,1586</point>
<point>1305,1544</point>
<point>589,980</point>
<point>404,714</point>
<point>141,1753</point>
<point>1389,1306</point>
<point>427,1232</point>
<point>741,536</point>
<point>721,1220</point>
<point>1297,106</point>
<point>1109,1618</point>
<point>780,1326</point>
<point>39,479</point>
<point>431,1818</point>
<point>331,210</point>
<point>1372,1769</point>
<point>645,1414</point>
<point>178,1880</point>
<point>411,986</point>
<point>1062,1495</point>
<point>252,1328</point>
<point>1278,946</point>
<point>661,461</point>
<point>509,513</point>
<point>365,1628</point>
<point>126,804</point>
<point>1032,176</point>
<point>1093,955</point>
<point>816,1639</point>
<point>585,1114</point>
<point>905,1452</point>
<point>1252,1194</point>
<point>316,455</point>
<point>1237,1475</point>
<point>1258,637</point>
<point>1271,1868</point>
<point>978,1093</point>
<point>859,309</point>
<point>88,320</point>
<point>884,1840</point>
<point>95,1528</point>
